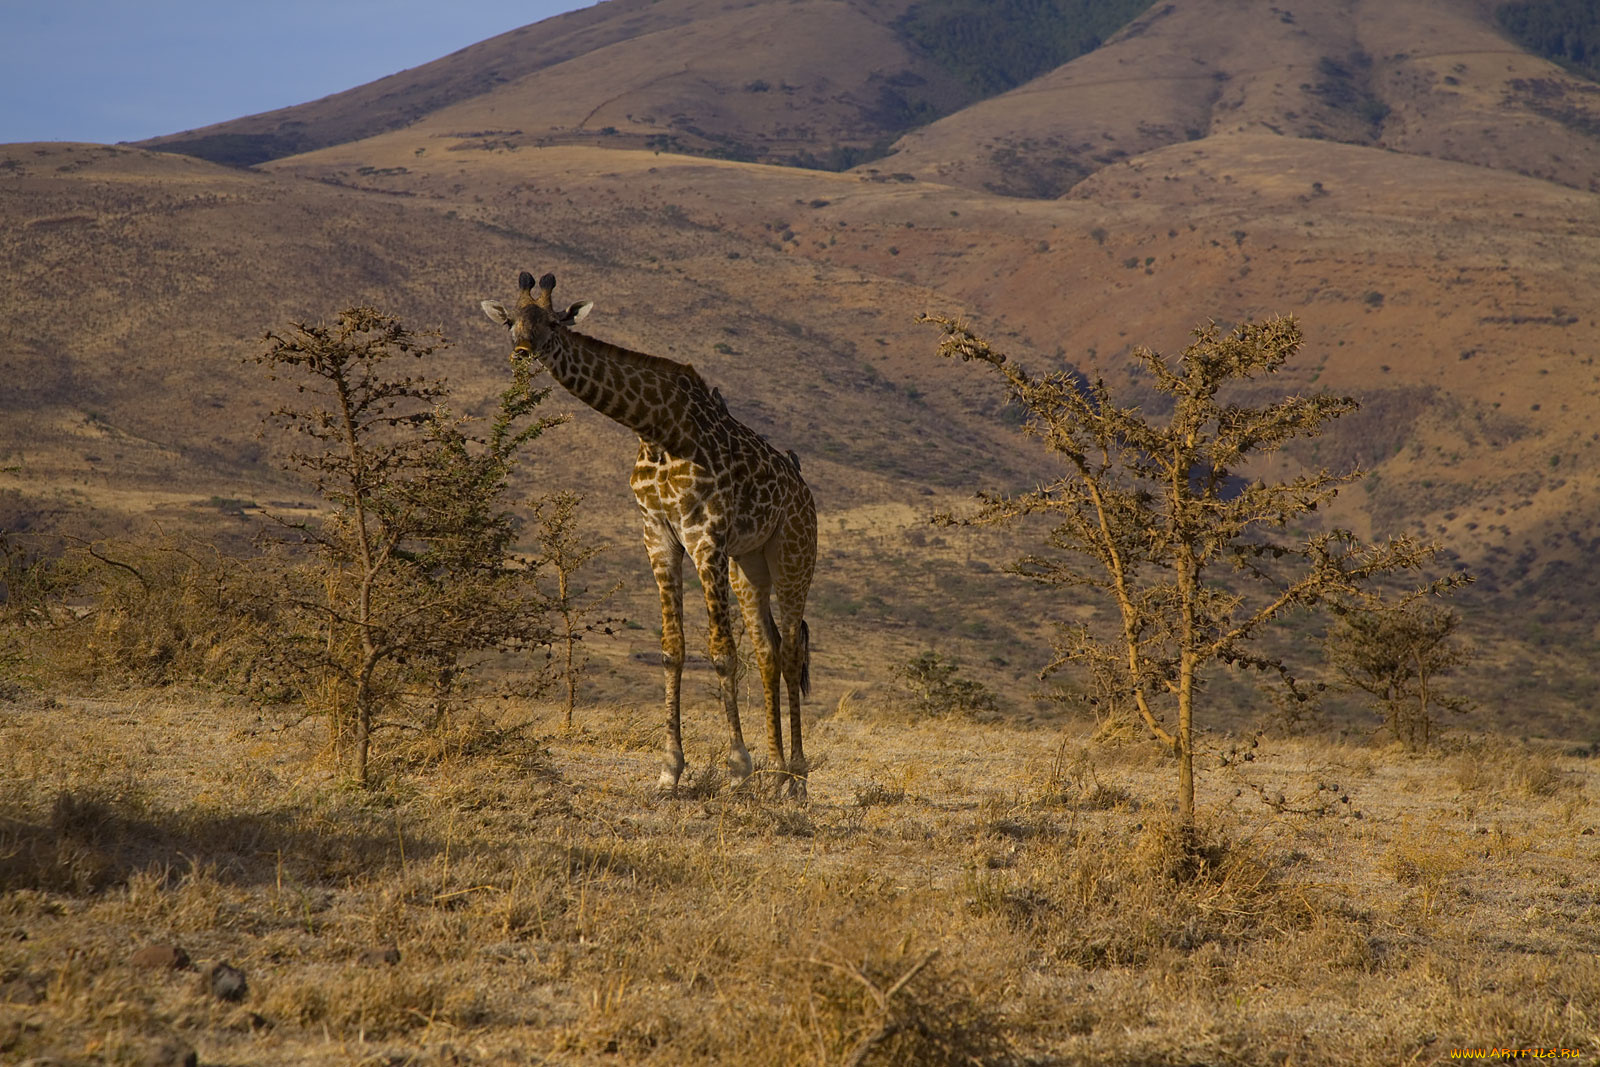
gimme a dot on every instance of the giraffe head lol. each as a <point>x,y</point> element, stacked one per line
<point>535,319</point>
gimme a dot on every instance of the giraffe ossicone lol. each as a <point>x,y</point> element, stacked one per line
<point>709,488</point>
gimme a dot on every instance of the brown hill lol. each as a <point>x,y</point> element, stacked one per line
<point>1425,77</point>
<point>753,80</point>
<point>1455,297</point>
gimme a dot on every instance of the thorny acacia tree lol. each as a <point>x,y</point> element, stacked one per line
<point>1149,511</point>
<point>416,570</point>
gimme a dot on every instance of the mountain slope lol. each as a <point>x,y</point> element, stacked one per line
<point>813,82</point>
<point>1426,77</point>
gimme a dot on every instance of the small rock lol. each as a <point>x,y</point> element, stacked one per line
<point>227,982</point>
<point>25,989</point>
<point>171,1054</point>
<point>243,1020</point>
<point>160,957</point>
<point>382,955</point>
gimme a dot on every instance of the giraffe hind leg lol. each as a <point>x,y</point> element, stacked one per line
<point>794,647</point>
<point>714,580</point>
<point>790,561</point>
<point>751,583</point>
<point>805,659</point>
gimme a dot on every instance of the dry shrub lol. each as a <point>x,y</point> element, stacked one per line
<point>468,734</point>
<point>844,973</point>
<point>1073,782</point>
<point>1102,899</point>
<point>1428,860</point>
<point>159,612</point>
<point>894,1007</point>
<point>1504,768</point>
<point>929,688</point>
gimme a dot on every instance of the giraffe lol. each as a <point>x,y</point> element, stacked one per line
<point>708,487</point>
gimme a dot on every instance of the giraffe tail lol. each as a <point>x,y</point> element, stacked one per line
<point>805,659</point>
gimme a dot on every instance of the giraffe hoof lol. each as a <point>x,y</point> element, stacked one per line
<point>739,764</point>
<point>671,771</point>
<point>796,778</point>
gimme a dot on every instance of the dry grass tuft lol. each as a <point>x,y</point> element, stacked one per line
<point>367,1004</point>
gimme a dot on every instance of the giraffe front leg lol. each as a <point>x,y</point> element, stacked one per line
<point>713,568</point>
<point>666,560</point>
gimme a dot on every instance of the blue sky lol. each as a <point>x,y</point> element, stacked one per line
<point>122,70</point>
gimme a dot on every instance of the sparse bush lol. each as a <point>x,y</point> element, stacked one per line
<point>414,571</point>
<point>1396,654</point>
<point>930,688</point>
<point>563,555</point>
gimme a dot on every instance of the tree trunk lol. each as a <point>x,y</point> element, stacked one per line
<point>1186,738</point>
<point>567,622</point>
<point>1424,719</point>
<point>572,680</point>
<point>363,702</point>
<point>1188,590</point>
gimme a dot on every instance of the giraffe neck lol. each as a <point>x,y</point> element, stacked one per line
<point>663,401</point>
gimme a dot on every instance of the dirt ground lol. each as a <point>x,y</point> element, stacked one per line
<point>951,892</point>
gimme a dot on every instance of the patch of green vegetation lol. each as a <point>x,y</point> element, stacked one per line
<point>237,149</point>
<point>1566,31</point>
<point>840,157</point>
<point>995,45</point>
<point>1345,84</point>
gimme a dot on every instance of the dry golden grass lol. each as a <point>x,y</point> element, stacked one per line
<point>953,893</point>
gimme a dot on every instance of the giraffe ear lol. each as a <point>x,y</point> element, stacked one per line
<point>497,312</point>
<point>577,312</point>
